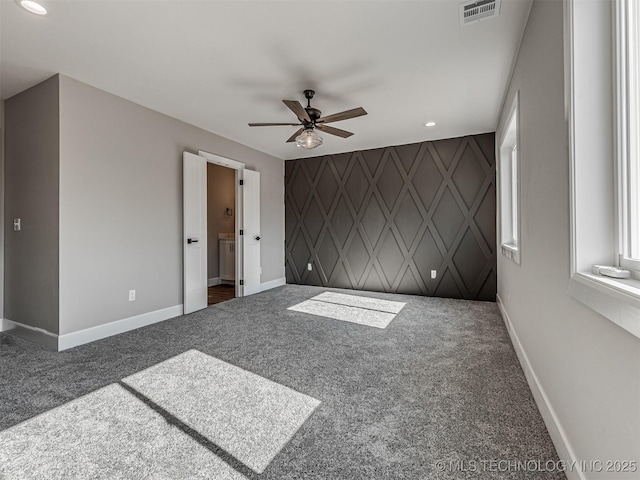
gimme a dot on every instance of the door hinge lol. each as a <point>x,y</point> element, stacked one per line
<point>241,182</point>
<point>241,282</point>
<point>241,232</point>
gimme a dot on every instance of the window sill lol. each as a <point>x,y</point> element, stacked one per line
<point>615,299</point>
<point>511,252</point>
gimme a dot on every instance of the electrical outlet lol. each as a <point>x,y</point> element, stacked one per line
<point>132,295</point>
<point>16,224</point>
<point>309,267</point>
<point>433,274</point>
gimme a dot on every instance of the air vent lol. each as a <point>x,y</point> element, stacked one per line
<point>481,10</point>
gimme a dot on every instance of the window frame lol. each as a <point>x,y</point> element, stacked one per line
<point>515,204</point>
<point>627,72</point>
<point>592,96</point>
<point>509,153</point>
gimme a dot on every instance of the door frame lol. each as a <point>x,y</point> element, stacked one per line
<point>239,169</point>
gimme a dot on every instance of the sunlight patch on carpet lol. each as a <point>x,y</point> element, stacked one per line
<point>372,312</point>
<point>106,434</point>
<point>362,302</point>
<point>248,416</point>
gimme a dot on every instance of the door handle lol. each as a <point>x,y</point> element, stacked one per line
<point>257,237</point>
<point>192,240</point>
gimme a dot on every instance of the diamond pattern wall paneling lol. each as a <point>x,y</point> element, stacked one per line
<point>382,219</point>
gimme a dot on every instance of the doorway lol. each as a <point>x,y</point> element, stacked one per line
<point>246,220</point>
<point>221,233</point>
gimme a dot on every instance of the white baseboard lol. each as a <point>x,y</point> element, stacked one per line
<point>212,282</point>
<point>551,420</point>
<point>273,284</point>
<point>70,340</point>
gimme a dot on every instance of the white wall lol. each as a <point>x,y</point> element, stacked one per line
<point>121,205</point>
<point>587,367</point>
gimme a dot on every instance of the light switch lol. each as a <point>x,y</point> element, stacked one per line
<point>16,224</point>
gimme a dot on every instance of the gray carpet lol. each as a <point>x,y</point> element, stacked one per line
<point>248,416</point>
<point>441,382</point>
<point>107,434</point>
<point>345,313</point>
<point>355,300</point>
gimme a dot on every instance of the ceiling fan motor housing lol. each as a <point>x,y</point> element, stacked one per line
<point>314,114</point>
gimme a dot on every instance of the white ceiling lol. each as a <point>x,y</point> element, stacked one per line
<point>222,64</point>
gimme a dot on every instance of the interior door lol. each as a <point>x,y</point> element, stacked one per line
<point>251,232</point>
<point>195,232</point>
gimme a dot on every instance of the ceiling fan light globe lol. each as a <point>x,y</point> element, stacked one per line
<point>308,139</point>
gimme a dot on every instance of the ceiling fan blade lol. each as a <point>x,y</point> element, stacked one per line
<point>272,124</point>
<point>297,108</point>
<point>292,138</point>
<point>334,131</point>
<point>354,112</point>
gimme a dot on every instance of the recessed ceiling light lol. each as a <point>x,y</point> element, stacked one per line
<point>430,124</point>
<point>32,7</point>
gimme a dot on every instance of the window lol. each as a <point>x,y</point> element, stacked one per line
<point>602,89</point>
<point>508,177</point>
<point>628,102</point>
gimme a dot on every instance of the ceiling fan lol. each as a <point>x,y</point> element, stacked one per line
<point>311,119</point>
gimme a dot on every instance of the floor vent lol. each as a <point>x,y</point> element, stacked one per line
<point>480,10</point>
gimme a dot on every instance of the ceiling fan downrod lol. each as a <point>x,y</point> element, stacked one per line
<point>314,113</point>
<point>308,94</point>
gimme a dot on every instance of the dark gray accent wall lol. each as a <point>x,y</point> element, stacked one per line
<point>382,219</point>
<point>31,261</point>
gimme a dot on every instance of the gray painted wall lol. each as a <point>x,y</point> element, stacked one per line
<point>221,194</point>
<point>2,189</point>
<point>588,367</point>
<point>382,219</point>
<point>121,205</point>
<point>31,269</point>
